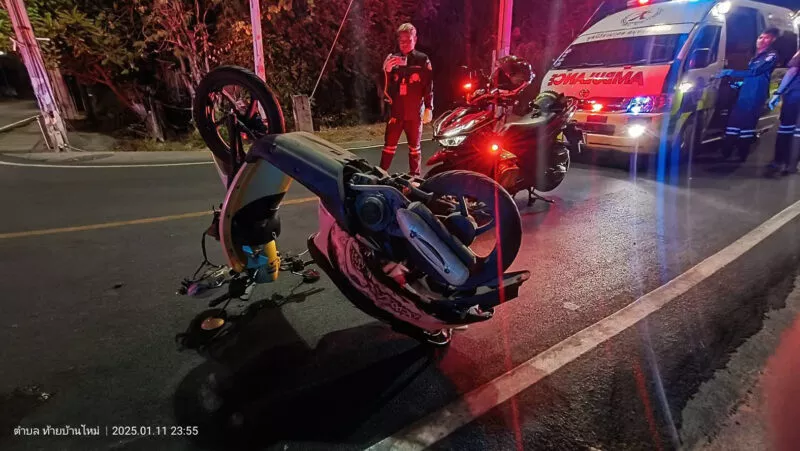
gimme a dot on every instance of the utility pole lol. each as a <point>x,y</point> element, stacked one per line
<point>258,42</point>
<point>53,125</point>
<point>504,17</point>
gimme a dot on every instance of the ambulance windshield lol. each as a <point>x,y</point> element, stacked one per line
<point>629,51</point>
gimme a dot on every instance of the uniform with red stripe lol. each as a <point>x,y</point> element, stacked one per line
<point>409,90</point>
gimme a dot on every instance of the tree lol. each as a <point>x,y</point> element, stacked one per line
<point>350,89</point>
<point>6,30</point>
<point>542,33</point>
<point>181,30</point>
<point>96,42</point>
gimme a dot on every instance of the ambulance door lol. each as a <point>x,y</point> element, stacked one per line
<point>704,60</point>
<point>742,26</point>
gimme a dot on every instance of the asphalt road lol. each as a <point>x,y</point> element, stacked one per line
<point>89,318</point>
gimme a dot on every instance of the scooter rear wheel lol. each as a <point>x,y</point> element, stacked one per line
<point>500,206</point>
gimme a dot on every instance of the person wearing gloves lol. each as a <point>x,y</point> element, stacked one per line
<point>753,94</point>
<point>409,91</point>
<point>787,144</point>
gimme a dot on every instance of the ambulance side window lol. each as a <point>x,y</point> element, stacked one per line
<point>740,46</point>
<point>786,45</point>
<point>707,39</point>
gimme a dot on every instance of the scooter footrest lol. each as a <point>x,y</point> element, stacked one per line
<point>488,296</point>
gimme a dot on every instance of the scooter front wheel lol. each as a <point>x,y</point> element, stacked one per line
<point>233,107</point>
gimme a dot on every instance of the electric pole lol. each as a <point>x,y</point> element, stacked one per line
<point>53,125</point>
<point>505,15</point>
<point>258,42</point>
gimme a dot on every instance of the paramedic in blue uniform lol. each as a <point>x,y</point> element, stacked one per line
<point>753,94</point>
<point>787,144</point>
<point>409,90</point>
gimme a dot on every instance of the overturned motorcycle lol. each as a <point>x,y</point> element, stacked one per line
<point>398,247</point>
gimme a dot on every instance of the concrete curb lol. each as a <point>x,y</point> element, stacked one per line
<point>134,159</point>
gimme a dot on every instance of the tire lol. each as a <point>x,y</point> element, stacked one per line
<point>438,169</point>
<point>557,171</point>
<point>203,106</point>
<point>483,189</point>
<point>683,147</point>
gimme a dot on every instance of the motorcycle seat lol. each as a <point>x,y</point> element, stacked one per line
<point>535,120</point>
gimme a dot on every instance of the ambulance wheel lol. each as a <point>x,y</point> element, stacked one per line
<point>685,144</point>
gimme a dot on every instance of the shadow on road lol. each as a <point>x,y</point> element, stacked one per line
<point>262,383</point>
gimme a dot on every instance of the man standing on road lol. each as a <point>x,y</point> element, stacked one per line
<point>409,90</point>
<point>787,145</point>
<point>753,93</point>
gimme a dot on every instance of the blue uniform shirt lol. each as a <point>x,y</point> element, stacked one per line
<point>755,86</point>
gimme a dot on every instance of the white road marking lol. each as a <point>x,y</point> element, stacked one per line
<point>438,425</point>
<point>381,145</point>
<point>101,166</point>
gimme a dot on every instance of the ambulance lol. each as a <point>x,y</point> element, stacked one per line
<point>646,78</point>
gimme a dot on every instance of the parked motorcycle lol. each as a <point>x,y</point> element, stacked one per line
<point>522,147</point>
<point>397,247</point>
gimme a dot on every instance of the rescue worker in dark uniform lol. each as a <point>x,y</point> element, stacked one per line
<point>409,90</point>
<point>787,144</point>
<point>753,94</point>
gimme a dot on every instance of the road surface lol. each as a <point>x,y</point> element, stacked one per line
<point>90,315</point>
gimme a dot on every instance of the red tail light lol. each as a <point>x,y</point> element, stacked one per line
<point>495,148</point>
<point>467,86</point>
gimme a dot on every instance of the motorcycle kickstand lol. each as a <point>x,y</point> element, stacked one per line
<point>533,196</point>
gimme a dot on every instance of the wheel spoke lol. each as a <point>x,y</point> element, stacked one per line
<point>462,201</point>
<point>252,109</point>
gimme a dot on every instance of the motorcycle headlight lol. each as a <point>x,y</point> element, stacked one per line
<point>452,142</point>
